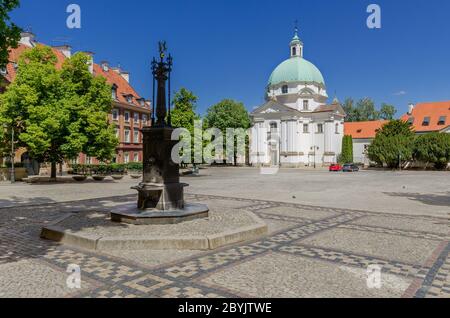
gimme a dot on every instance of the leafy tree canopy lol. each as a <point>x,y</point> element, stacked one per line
<point>183,113</point>
<point>58,114</point>
<point>9,32</point>
<point>227,114</point>
<point>365,110</point>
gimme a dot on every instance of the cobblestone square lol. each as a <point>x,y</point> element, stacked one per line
<point>321,241</point>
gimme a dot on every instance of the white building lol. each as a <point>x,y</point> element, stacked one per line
<point>296,127</point>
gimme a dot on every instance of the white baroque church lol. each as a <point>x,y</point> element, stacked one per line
<point>296,127</point>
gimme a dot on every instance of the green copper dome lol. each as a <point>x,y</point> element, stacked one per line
<point>296,69</point>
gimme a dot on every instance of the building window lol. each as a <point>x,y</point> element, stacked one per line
<point>127,136</point>
<point>136,157</point>
<point>129,99</point>
<point>115,114</point>
<point>114,92</point>
<point>320,128</point>
<point>442,120</point>
<point>294,51</point>
<point>411,121</point>
<point>136,118</point>
<point>136,136</point>
<point>144,119</point>
<point>117,130</point>
<point>426,121</point>
<point>126,157</point>
<point>285,89</point>
<point>3,71</point>
<point>337,128</point>
<point>306,105</point>
<point>305,128</point>
<point>127,117</point>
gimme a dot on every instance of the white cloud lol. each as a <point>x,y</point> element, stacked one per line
<point>400,93</point>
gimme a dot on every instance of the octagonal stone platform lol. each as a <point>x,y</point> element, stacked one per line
<point>96,231</point>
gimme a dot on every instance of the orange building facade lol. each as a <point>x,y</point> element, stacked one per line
<point>130,111</point>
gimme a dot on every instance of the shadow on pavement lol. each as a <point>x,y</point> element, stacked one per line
<point>428,199</point>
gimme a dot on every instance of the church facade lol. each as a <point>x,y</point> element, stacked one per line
<point>296,126</point>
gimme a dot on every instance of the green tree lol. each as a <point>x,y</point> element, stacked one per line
<point>9,32</point>
<point>393,144</point>
<point>228,114</point>
<point>183,114</point>
<point>365,110</point>
<point>433,148</point>
<point>347,150</point>
<point>58,114</point>
<point>387,112</point>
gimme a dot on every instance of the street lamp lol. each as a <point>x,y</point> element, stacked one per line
<point>314,150</point>
<point>12,171</point>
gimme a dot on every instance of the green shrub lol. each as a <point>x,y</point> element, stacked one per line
<point>433,148</point>
<point>393,144</point>
<point>16,165</point>
<point>135,166</point>
<point>347,150</point>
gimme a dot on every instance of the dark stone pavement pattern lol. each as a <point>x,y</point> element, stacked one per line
<point>111,276</point>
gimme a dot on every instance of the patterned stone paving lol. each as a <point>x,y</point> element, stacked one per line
<point>114,277</point>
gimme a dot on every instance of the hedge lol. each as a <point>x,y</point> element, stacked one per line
<point>105,169</point>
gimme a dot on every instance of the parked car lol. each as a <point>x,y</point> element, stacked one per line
<point>350,168</point>
<point>335,168</point>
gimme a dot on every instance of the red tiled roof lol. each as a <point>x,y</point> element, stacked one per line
<point>364,129</point>
<point>434,111</point>
<point>112,77</point>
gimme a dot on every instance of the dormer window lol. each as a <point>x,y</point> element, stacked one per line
<point>3,71</point>
<point>129,99</point>
<point>285,89</point>
<point>141,102</point>
<point>114,92</point>
<point>426,121</point>
<point>411,121</point>
<point>442,120</point>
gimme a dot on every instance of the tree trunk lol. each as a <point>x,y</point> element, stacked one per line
<point>53,173</point>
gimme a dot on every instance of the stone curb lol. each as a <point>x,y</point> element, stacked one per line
<point>56,233</point>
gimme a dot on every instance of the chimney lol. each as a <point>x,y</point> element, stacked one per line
<point>410,109</point>
<point>64,49</point>
<point>105,66</point>
<point>27,38</point>
<point>91,61</point>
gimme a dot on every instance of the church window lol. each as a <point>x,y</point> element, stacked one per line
<point>306,105</point>
<point>305,128</point>
<point>320,128</point>
<point>294,51</point>
<point>337,128</point>
<point>285,89</point>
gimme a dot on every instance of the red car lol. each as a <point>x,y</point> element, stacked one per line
<point>335,168</point>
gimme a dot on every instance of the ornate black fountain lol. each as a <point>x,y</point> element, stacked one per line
<point>161,195</point>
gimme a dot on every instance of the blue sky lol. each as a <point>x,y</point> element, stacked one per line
<point>228,48</point>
